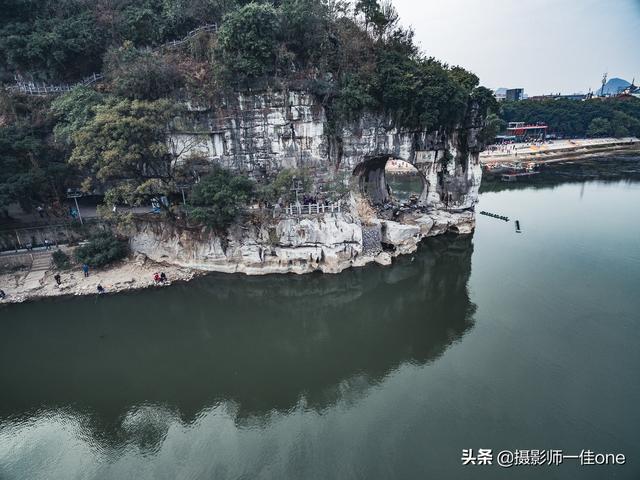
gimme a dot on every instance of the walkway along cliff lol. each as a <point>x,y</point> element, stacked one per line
<point>262,133</point>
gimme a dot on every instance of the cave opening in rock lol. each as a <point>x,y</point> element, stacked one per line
<point>405,183</point>
<point>387,180</point>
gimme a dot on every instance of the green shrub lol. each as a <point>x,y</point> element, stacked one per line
<point>61,260</point>
<point>140,74</point>
<point>219,198</point>
<point>281,188</point>
<point>248,40</point>
<point>102,250</point>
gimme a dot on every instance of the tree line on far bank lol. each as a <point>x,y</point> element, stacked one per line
<point>608,117</point>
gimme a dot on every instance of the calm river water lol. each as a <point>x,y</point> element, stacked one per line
<point>498,341</point>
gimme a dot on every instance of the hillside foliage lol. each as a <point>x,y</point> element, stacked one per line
<point>110,138</point>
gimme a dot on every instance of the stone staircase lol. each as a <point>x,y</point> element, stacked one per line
<point>41,263</point>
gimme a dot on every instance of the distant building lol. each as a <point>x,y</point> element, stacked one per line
<point>522,131</point>
<point>573,96</point>
<point>631,90</point>
<point>500,94</point>
<point>510,94</point>
<point>613,87</point>
<point>515,94</point>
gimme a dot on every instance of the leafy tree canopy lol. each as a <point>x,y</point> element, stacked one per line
<point>247,40</point>
<point>102,250</point>
<point>30,173</point>
<point>219,197</point>
<point>73,110</point>
<point>281,188</point>
<point>141,74</point>
<point>599,127</point>
<point>125,143</point>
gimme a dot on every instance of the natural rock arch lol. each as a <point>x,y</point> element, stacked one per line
<point>369,180</point>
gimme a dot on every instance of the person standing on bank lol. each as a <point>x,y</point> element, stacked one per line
<point>58,279</point>
<point>85,270</point>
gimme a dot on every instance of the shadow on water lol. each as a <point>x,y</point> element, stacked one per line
<point>262,343</point>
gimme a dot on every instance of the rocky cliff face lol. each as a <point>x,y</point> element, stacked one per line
<point>328,243</point>
<point>261,134</point>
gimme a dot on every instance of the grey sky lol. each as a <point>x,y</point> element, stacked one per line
<point>542,45</point>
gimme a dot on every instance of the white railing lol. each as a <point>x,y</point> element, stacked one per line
<point>313,209</point>
<point>33,88</point>
<point>211,28</point>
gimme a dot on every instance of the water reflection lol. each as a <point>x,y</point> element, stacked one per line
<point>127,366</point>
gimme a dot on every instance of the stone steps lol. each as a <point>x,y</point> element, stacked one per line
<point>41,262</point>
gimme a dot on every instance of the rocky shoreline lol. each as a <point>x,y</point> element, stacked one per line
<point>330,244</point>
<point>326,243</point>
<point>266,133</point>
<point>134,273</point>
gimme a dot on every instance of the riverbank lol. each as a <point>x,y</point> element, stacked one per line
<point>560,150</point>
<point>130,274</point>
<point>329,244</point>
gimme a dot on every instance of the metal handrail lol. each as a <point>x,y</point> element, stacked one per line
<point>32,88</point>
<point>313,209</point>
<point>211,28</point>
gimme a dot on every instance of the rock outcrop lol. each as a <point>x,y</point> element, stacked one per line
<point>261,134</point>
<point>327,243</point>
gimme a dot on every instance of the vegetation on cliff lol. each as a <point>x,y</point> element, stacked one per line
<point>102,250</point>
<point>219,197</point>
<point>111,137</point>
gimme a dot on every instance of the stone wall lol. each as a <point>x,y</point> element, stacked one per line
<point>11,262</point>
<point>17,239</point>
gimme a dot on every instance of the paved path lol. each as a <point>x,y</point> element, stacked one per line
<point>34,219</point>
<point>23,251</point>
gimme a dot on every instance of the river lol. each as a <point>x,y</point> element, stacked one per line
<point>499,341</point>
